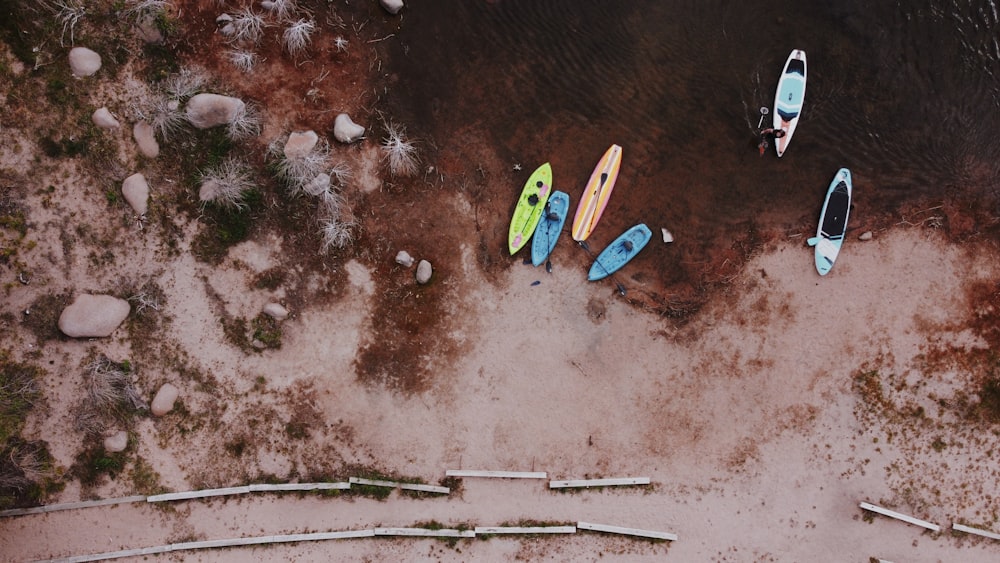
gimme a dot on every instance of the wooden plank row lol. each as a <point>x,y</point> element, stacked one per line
<point>71,505</point>
<point>525,530</point>
<point>613,482</point>
<point>204,493</point>
<point>496,474</point>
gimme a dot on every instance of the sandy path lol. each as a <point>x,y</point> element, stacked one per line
<point>744,420</point>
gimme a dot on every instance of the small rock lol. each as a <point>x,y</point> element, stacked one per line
<point>116,442</point>
<point>345,130</point>
<point>209,190</point>
<point>149,31</point>
<point>667,235</point>
<point>404,259</point>
<point>136,192</point>
<point>93,316</point>
<point>299,144</point>
<point>867,235</point>
<point>276,311</point>
<point>83,61</point>
<point>392,6</point>
<point>257,344</point>
<point>424,272</point>
<point>209,110</point>
<point>318,185</point>
<point>144,136</point>
<point>223,19</point>
<point>164,400</point>
<point>103,119</point>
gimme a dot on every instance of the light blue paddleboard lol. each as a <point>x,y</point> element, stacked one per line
<point>619,252</point>
<point>550,227</point>
<point>832,221</point>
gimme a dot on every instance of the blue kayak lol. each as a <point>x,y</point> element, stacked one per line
<point>619,252</point>
<point>550,227</point>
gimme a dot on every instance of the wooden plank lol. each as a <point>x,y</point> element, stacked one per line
<point>373,482</point>
<point>425,532</point>
<point>425,488</point>
<point>977,531</point>
<point>114,554</point>
<point>614,482</point>
<point>264,488</point>
<point>320,536</point>
<point>497,474</point>
<point>199,494</point>
<point>525,530</point>
<point>899,516</point>
<point>626,531</point>
<point>71,505</point>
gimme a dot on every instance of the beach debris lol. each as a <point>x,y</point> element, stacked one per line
<point>275,311</point>
<point>83,61</point>
<point>116,442</point>
<point>667,235</point>
<point>424,272</point>
<point>145,138</point>
<point>136,192</point>
<point>93,316</point>
<point>536,282</point>
<point>205,111</point>
<point>392,6</point>
<point>867,235</point>
<point>517,167</point>
<point>404,259</point>
<point>299,145</point>
<point>103,119</point>
<point>346,130</point>
<point>163,401</point>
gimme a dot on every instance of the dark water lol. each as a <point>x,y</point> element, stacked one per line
<point>905,94</point>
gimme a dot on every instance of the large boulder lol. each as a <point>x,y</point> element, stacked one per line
<point>145,137</point>
<point>103,119</point>
<point>83,61</point>
<point>164,400</point>
<point>136,192</point>
<point>205,111</point>
<point>299,144</point>
<point>346,130</point>
<point>93,316</point>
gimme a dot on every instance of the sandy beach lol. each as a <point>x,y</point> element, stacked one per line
<point>762,417</point>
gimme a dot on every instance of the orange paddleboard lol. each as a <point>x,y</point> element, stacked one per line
<point>596,194</point>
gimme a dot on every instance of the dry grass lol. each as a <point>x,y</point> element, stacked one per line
<point>399,151</point>
<point>298,36</point>
<point>227,183</point>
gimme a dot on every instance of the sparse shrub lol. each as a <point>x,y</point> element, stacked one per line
<point>299,171</point>
<point>19,391</point>
<point>281,9</point>
<point>298,36</point>
<point>69,14</point>
<point>245,124</point>
<point>243,60</point>
<point>340,44</point>
<point>227,183</point>
<point>185,83</point>
<point>166,118</point>
<point>111,394</point>
<point>336,233</point>
<point>141,10</point>
<point>247,26</point>
<point>399,151</point>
